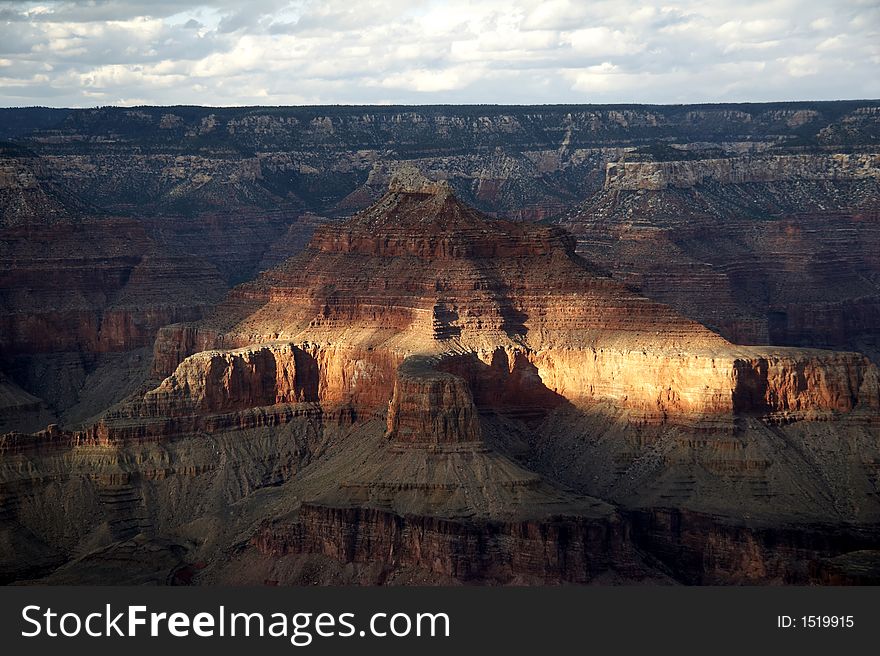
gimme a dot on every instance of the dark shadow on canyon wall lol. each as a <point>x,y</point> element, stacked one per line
<point>510,383</point>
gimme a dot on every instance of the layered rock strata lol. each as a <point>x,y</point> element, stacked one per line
<point>423,358</point>
<point>146,215</point>
<point>420,272</point>
<point>765,249</point>
<point>436,498</point>
<point>632,176</point>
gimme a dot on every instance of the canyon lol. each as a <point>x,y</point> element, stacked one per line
<point>301,345</point>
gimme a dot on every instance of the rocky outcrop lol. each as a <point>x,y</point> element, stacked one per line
<point>801,384</point>
<point>221,381</point>
<point>561,549</point>
<point>533,324</point>
<point>706,550</point>
<point>431,407</point>
<point>625,175</point>
<point>19,409</point>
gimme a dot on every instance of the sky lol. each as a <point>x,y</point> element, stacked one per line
<point>282,52</point>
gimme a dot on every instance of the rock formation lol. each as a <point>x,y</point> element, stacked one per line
<point>439,344</point>
<point>151,214</point>
<point>765,249</point>
<point>421,273</point>
<point>651,175</point>
<point>425,393</point>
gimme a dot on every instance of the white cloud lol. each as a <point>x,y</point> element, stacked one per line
<point>760,28</point>
<point>600,41</point>
<point>424,80</point>
<point>602,78</point>
<point>338,51</point>
<point>833,43</point>
<point>555,15</point>
<point>802,65</point>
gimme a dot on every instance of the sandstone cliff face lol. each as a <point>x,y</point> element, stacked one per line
<point>705,551</point>
<point>654,384</point>
<point>442,279</point>
<point>431,407</point>
<point>663,385</point>
<point>802,383</point>
<point>738,170</point>
<point>213,381</point>
<point>220,381</point>
<point>763,248</point>
<point>565,549</point>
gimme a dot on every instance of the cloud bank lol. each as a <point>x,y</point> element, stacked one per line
<point>281,52</point>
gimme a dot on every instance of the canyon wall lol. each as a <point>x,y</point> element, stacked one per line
<point>632,176</point>
<point>115,512</point>
<point>765,250</point>
<point>425,387</point>
<point>431,406</point>
<point>212,381</point>
<point>660,386</point>
<point>565,549</point>
<point>509,308</point>
<point>121,221</point>
<point>522,162</point>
